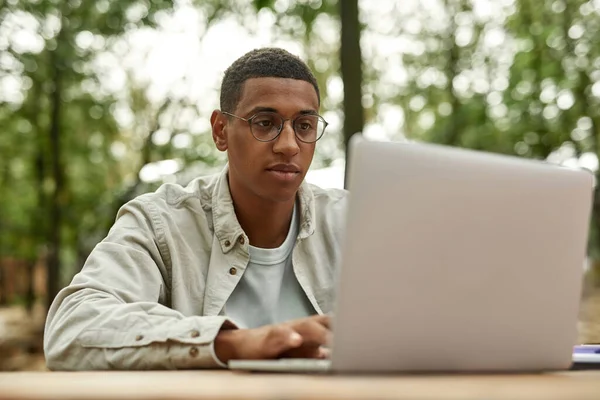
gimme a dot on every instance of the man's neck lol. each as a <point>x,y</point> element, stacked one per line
<point>266,223</point>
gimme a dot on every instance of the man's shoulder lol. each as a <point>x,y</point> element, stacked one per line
<point>197,192</point>
<point>330,204</point>
<point>328,195</point>
<point>330,211</point>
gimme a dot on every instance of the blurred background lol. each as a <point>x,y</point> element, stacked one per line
<point>102,100</point>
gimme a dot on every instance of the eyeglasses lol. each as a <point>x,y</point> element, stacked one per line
<point>266,126</point>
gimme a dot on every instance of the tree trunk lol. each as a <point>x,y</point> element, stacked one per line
<point>53,276</point>
<point>30,295</point>
<point>39,223</point>
<point>3,298</point>
<point>2,277</point>
<point>351,66</point>
<point>4,177</point>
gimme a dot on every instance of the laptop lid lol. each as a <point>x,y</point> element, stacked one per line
<point>457,260</point>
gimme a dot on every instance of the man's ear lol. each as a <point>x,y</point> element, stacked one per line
<point>219,133</point>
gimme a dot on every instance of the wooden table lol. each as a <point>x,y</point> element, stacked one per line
<point>240,385</point>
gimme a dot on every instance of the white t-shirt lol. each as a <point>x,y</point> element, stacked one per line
<point>268,292</point>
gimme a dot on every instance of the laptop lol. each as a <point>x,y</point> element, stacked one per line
<point>455,261</point>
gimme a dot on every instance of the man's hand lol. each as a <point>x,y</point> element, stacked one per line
<point>302,338</point>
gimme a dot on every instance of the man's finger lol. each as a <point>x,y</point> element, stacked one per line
<point>281,339</point>
<point>324,353</point>
<point>324,320</point>
<point>315,334</point>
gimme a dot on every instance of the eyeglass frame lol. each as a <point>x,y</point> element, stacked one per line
<point>249,121</point>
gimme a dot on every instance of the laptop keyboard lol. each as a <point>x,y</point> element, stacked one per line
<point>283,365</point>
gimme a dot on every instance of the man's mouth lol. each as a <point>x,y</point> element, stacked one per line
<point>284,168</point>
<point>285,172</point>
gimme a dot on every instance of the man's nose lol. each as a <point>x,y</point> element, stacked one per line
<point>286,143</point>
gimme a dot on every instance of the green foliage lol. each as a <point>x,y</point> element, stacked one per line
<point>260,4</point>
<point>530,92</point>
<point>59,87</point>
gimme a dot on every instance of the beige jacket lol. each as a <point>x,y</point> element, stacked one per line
<point>151,294</point>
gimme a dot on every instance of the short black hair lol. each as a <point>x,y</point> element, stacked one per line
<point>262,63</point>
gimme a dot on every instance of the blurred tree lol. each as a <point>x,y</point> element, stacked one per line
<point>512,76</point>
<point>58,162</point>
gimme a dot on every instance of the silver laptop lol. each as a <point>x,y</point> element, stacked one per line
<point>455,260</point>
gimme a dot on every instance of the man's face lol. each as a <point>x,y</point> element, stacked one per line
<point>271,170</point>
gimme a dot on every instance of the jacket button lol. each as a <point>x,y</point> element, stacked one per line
<point>193,351</point>
<point>195,333</point>
<point>241,240</point>
<point>139,337</point>
<point>227,243</point>
<point>232,271</point>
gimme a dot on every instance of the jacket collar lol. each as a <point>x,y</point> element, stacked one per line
<point>227,227</point>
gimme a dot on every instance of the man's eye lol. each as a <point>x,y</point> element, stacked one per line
<point>265,123</point>
<point>305,124</point>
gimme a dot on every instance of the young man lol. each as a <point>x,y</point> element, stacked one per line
<point>240,265</point>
